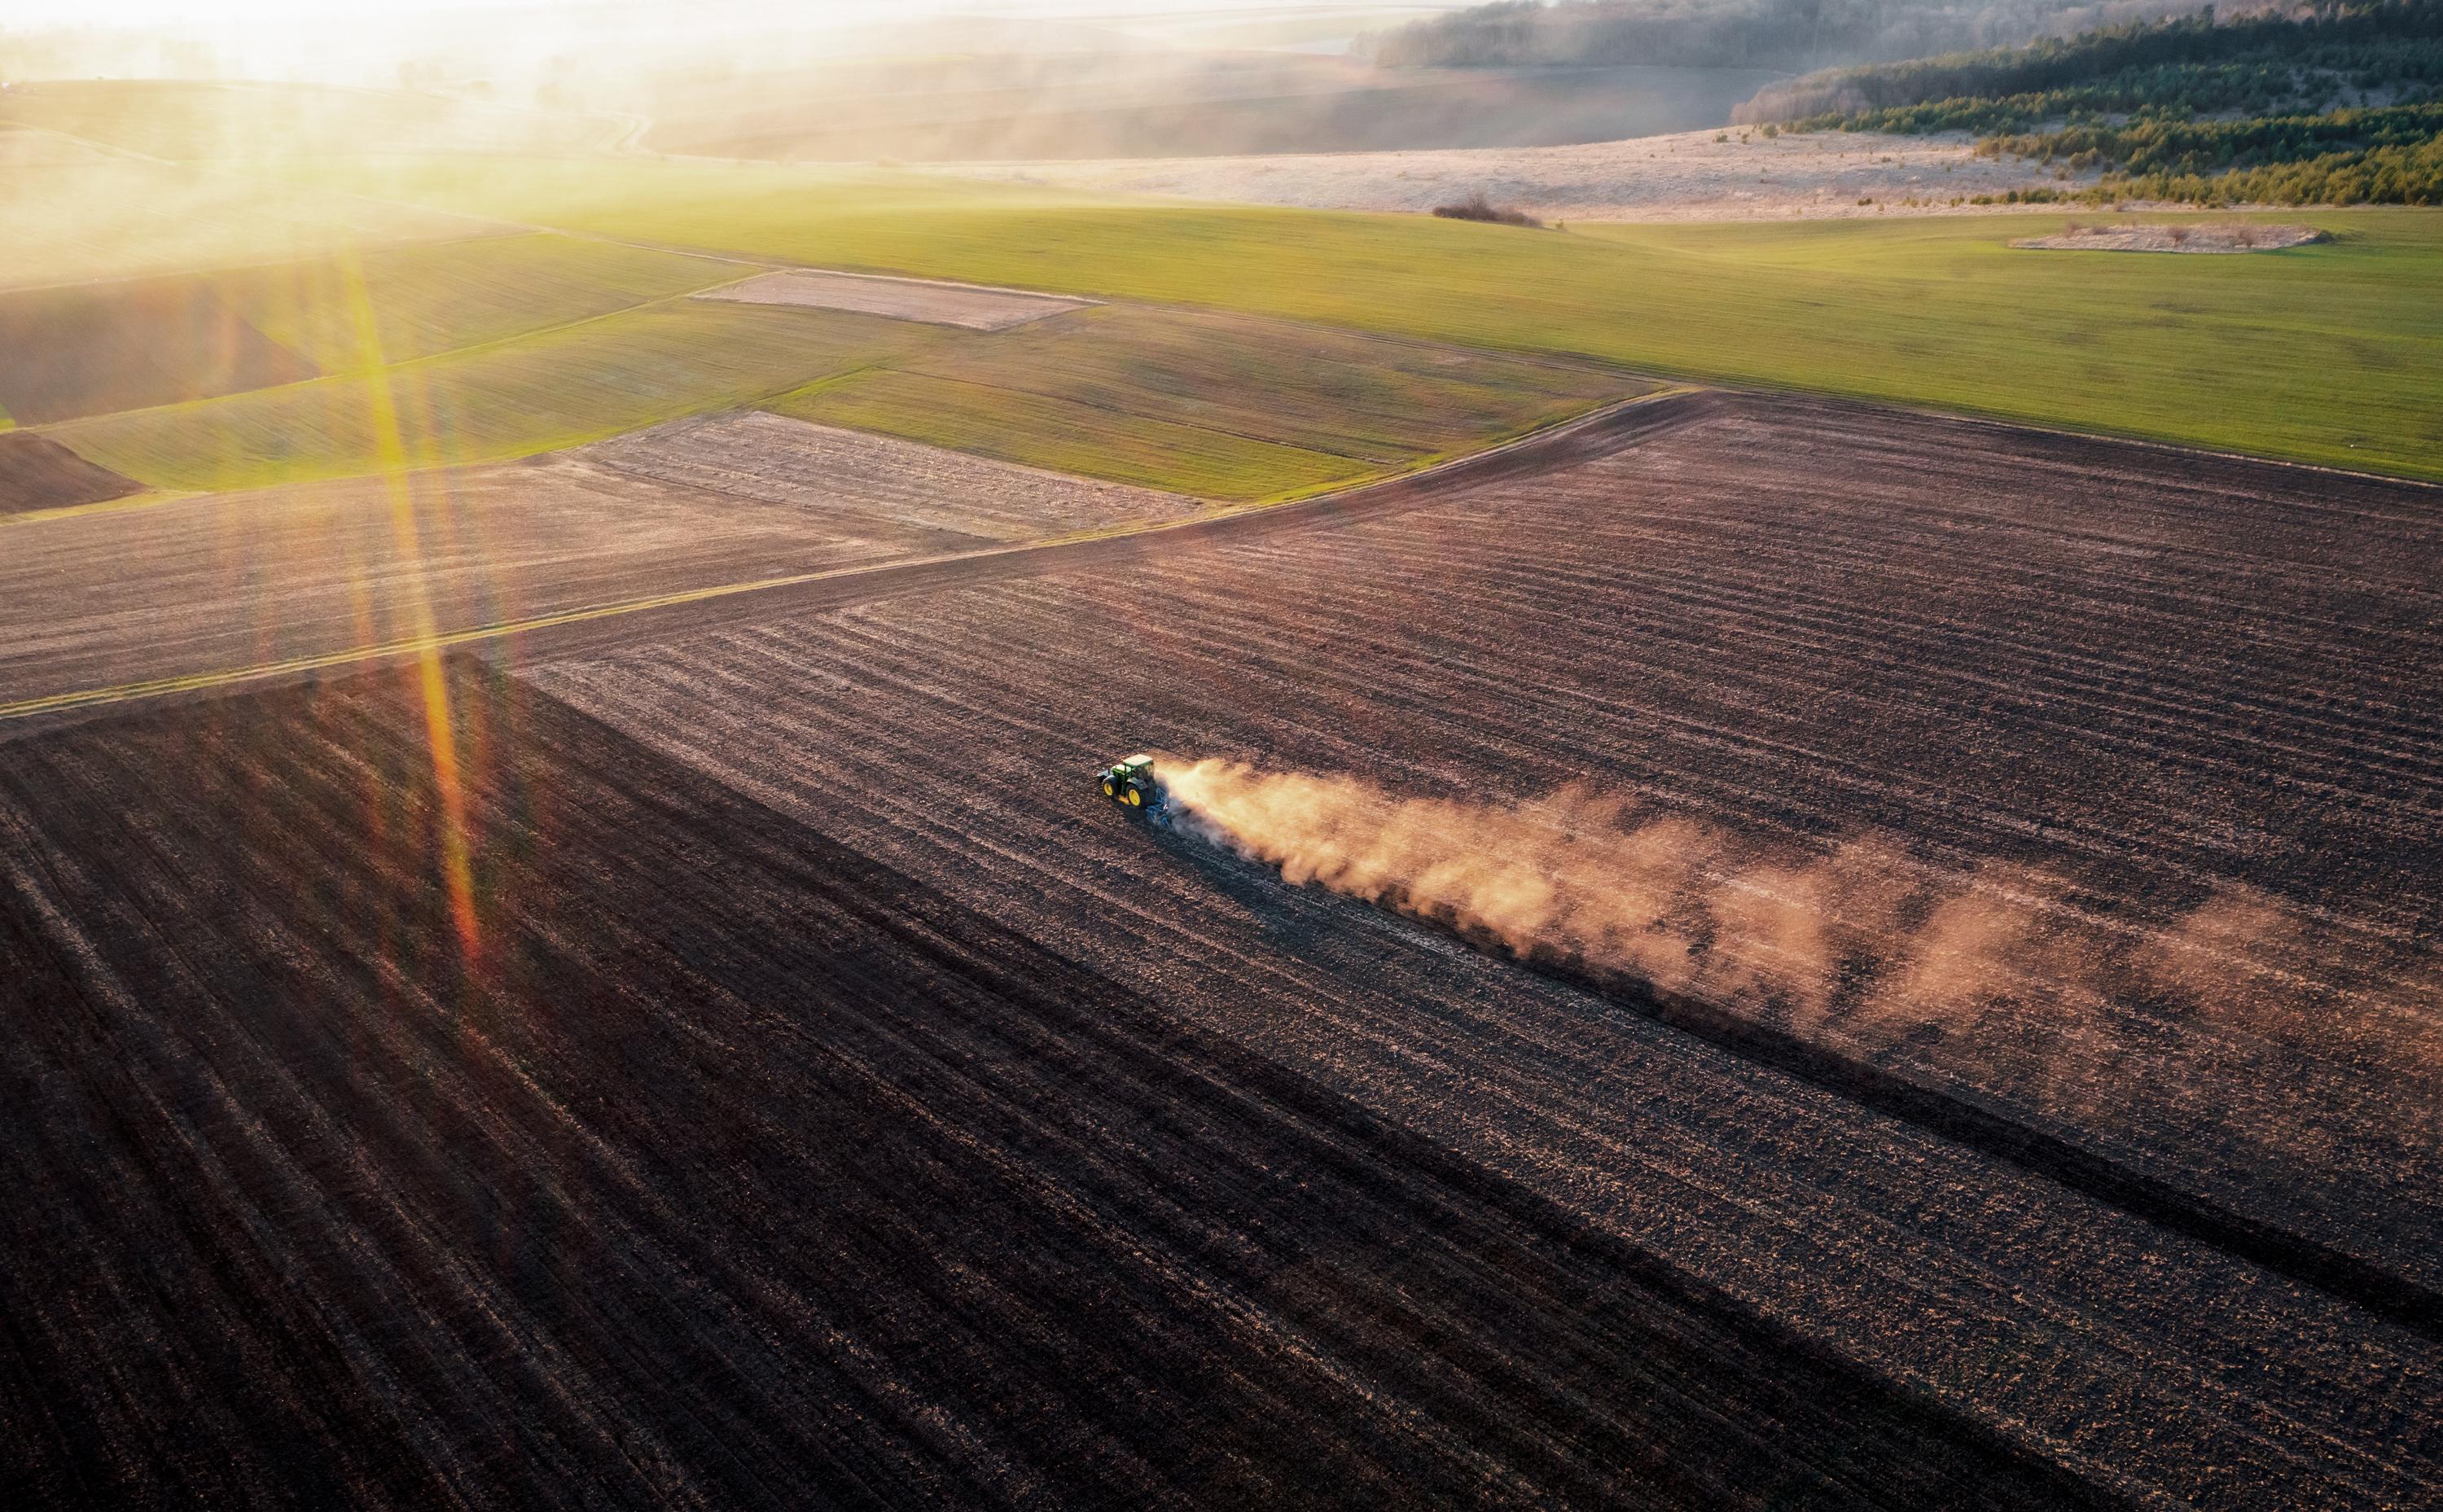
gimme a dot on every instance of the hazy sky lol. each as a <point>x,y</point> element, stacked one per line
<point>785,13</point>
<point>240,13</point>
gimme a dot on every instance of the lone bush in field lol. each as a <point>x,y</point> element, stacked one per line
<point>1477,207</point>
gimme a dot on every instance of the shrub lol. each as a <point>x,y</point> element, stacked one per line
<point>1477,207</point>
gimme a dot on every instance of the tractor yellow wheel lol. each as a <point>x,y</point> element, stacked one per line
<point>1109,792</point>
<point>1136,798</point>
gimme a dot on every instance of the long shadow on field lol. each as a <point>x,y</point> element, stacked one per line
<point>682,1153</point>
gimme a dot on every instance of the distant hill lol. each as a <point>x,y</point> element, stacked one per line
<point>1783,34</point>
<point>2342,104</point>
<point>976,105</point>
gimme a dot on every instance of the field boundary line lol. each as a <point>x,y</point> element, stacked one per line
<point>407,646</point>
<point>912,574</point>
<point>145,498</point>
<point>1995,419</point>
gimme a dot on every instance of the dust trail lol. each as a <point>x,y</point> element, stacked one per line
<point>1861,943</point>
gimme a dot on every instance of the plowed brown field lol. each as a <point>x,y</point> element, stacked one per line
<point>826,471</point>
<point>39,473</point>
<point>232,581</point>
<point>2149,674</point>
<point>729,1167</point>
<point>809,1089</point>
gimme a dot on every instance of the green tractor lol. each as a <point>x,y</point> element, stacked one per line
<point>1131,783</point>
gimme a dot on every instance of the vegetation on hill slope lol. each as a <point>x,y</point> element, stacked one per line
<point>2342,106</point>
<point>1731,33</point>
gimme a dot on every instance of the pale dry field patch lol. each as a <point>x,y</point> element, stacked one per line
<point>961,305</point>
<point>775,459</point>
<point>1735,173</point>
<point>2237,236</point>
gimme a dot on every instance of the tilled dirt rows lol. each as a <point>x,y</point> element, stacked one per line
<point>2137,675</point>
<point>783,461</point>
<point>712,1163</point>
<point>238,579</point>
<point>39,473</point>
<point>234,580</point>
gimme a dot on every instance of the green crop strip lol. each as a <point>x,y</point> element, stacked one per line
<point>2330,354</point>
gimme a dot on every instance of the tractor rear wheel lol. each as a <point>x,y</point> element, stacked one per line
<point>1136,797</point>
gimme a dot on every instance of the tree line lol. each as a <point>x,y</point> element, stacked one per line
<point>2342,103</point>
<point>1790,34</point>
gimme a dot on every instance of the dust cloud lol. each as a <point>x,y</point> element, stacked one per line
<point>1862,941</point>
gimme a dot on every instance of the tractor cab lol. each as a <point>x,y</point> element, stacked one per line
<point>1131,782</point>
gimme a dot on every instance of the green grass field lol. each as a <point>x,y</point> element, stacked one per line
<point>72,213</point>
<point>2330,354</point>
<point>1376,399</point>
<point>423,301</point>
<point>554,388</point>
<point>1066,436</point>
<point>91,349</point>
<point>1227,407</point>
